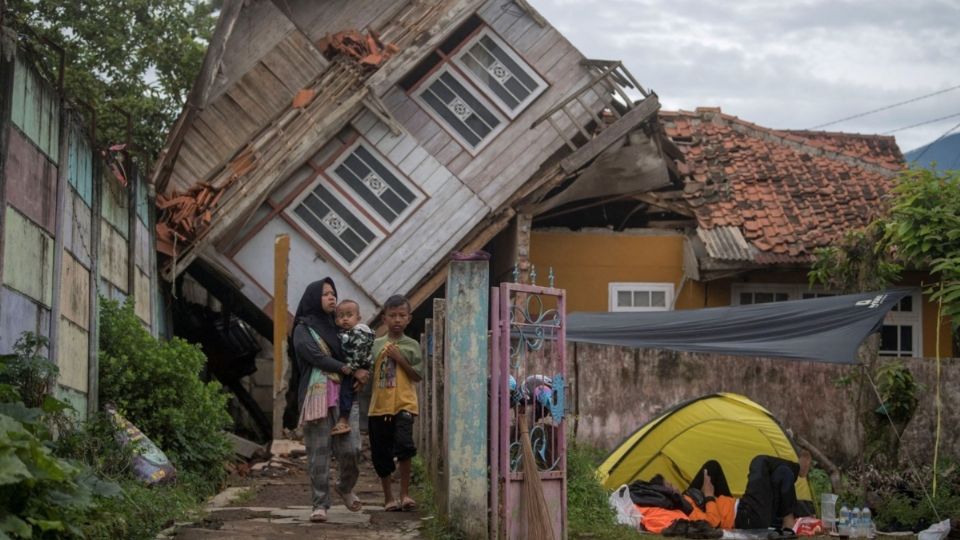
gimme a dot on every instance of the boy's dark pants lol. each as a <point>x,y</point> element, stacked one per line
<point>347,396</point>
<point>390,437</point>
<point>770,493</point>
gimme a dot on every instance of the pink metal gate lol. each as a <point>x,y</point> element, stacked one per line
<point>528,377</point>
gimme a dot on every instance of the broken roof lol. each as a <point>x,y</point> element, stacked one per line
<point>786,192</point>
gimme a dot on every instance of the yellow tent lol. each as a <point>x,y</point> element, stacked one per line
<point>726,427</point>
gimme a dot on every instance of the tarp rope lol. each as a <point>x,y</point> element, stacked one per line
<point>893,426</point>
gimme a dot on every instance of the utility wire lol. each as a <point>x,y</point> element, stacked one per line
<point>929,146</point>
<point>858,115</point>
<point>954,115</point>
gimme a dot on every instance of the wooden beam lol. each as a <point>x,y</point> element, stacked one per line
<point>653,199</point>
<point>478,238</point>
<point>611,134</point>
<point>281,259</point>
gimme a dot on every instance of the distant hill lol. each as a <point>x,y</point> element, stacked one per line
<point>945,152</point>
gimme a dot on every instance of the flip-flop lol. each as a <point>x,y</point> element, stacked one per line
<point>351,501</point>
<point>785,533</point>
<point>392,506</point>
<point>319,515</point>
<point>340,430</point>
<point>408,505</point>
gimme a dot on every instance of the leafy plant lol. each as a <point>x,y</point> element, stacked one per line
<point>157,386</point>
<point>28,371</point>
<point>899,392</point>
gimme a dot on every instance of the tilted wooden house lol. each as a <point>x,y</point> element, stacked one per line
<point>448,125</point>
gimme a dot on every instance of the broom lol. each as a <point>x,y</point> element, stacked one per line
<point>536,513</point>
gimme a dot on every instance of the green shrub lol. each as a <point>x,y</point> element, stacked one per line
<point>30,375</point>
<point>156,385</point>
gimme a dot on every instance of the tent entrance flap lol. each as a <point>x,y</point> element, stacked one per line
<point>728,428</point>
<point>826,329</point>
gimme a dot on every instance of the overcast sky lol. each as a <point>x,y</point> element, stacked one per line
<point>783,64</point>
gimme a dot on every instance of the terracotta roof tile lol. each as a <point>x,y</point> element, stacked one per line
<point>790,192</point>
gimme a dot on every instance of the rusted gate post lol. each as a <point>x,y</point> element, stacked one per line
<point>465,392</point>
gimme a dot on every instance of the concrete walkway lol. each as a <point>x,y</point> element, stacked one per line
<point>274,503</point>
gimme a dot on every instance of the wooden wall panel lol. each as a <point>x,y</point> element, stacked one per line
<point>31,181</point>
<point>116,202</point>
<point>75,292</point>
<point>142,248</point>
<point>77,236</point>
<point>27,258</point>
<point>80,164</point>
<point>20,314</point>
<point>143,302</point>
<point>113,256</point>
<point>72,355</point>
<point>35,109</point>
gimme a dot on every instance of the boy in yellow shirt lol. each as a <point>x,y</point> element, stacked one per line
<point>393,405</point>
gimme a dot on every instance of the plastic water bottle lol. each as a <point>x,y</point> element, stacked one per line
<point>843,524</point>
<point>866,522</point>
<point>856,528</point>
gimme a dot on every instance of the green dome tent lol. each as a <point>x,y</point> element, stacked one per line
<point>726,427</point>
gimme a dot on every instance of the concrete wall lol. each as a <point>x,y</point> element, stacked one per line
<point>58,254</point>
<point>616,390</point>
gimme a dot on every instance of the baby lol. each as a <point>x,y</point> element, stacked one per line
<point>357,341</point>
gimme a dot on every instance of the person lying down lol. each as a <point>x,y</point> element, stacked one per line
<point>707,505</point>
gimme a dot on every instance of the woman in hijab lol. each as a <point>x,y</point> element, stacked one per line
<point>317,354</point>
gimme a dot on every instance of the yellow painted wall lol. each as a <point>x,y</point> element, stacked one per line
<point>586,262</point>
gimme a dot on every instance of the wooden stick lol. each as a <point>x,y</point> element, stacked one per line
<point>281,252</point>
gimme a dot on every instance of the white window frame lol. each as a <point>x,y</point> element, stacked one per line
<point>481,97</point>
<point>465,49</point>
<point>378,235</point>
<point>914,318</point>
<point>796,292</point>
<point>358,197</point>
<point>614,288</point>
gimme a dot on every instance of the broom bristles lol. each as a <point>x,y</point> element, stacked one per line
<point>536,512</point>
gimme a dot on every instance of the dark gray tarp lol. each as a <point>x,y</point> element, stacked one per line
<point>827,329</point>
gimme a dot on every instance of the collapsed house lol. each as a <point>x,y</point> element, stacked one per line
<point>381,140</point>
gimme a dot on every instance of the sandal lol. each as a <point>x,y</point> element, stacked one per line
<point>785,533</point>
<point>340,429</point>
<point>392,506</point>
<point>351,501</point>
<point>319,515</point>
<point>409,505</point>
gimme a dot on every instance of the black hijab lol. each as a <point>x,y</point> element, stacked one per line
<point>310,312</point>
<point>719,480</point>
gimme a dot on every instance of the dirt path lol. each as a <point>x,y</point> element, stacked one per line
<point>275,504</point>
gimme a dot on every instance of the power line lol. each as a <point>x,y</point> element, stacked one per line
<point>858,115</point>
<point>929,146</point>
<point>954,115</point>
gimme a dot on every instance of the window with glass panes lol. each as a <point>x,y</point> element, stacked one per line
<point>641,296</point>
<point>900,334</point>
<point>472,84</point>
<point>375,184</point>
<point>339,228</point>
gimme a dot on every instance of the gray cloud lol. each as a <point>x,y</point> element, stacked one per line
<point>779,64</point>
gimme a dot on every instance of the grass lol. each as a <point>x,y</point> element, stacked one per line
<point>435,526</point>
<point>589,516</point>
<point>588,513</point>
<point>142,511</point>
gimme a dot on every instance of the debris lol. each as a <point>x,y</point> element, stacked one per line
<point>367,50</point>
<point>286,447</point>
<point>244,448</point>
<point>303,98</point>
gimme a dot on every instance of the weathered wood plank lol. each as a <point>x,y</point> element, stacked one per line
<point>113,256</point>
<point>416,273</point>
<point>438,441</point>
<point>413,160</point>
<point>364,121</point>
<point>27,257</point>
<point>618,129</point>
<point>72,359</point>
<point>466,394</point>
<point>20,314</point>
<point>403,148</point>
<point>75,292</point>
<point>31,181</point>
<point>143,305</point>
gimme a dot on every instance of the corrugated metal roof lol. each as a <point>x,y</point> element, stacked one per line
<point>726,243</point>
